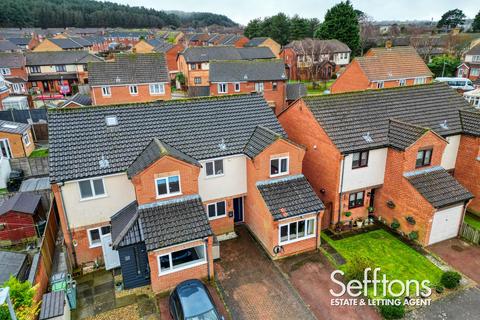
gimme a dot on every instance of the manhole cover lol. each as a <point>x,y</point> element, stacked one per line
<point>457,248</point>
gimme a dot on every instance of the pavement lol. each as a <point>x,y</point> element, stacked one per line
<point>252,286</point>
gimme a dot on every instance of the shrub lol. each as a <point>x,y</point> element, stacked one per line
<point>356,268</point>
<point>439,288</point>
<point>413,235</point>
<point>22,294</point>
<point>411,220</point>
<point>395,224</point>
<point>450,279</point>
<point>392,311</point>
<point>334,76</point>
<point>347,214</point>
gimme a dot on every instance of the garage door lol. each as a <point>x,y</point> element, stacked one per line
<point>446,223</point>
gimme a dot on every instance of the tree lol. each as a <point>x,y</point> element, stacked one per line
<point>298,28</point>
<point>341,23</point>
<point>444,66</point>
<point>22,295</point>
<point>476,23</point>
<point>253,29</point>
<point>278,28</point>
<point>451,19</point>
<point>367,32</point>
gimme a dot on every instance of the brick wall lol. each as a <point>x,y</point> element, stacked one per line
<point>352,79</point>
<point>290,59</point>
<point>17,146</point>
<point>225,224</point>
<point>171,57</point>
<point>121,94</point>
<point>18,227</point>
<point>3,95</point>
<point>467,168</point>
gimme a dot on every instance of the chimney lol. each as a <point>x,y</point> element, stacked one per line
<point>388,44</point>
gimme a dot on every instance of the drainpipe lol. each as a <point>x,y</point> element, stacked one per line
<point>208,258</point>
<point>341,189</point>
<point>317,234</point>
<point>60,185</point>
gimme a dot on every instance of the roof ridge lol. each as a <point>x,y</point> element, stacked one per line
<point>279,180</point>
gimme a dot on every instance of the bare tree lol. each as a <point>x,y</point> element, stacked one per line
<point>368,31</point>
<point>312,53</point>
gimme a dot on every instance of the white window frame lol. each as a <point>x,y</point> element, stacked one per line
<point>420,80</point>
<point>280,173</point>
<point>171,270</point>
<point>60,66</point>
<point>168,194</point>
<point>6,146</point>
<point>153,89</point>
<point>306,236</point>
<point>222,87</point>
<point>26,139</point>
<point>476,58</point>
<point>380,85</point>
<point>35,69</point>
<point>402,82</point>
<point>133,89</point>
<point>237,86</point>
<point>475,72</point>
<point>100,232</point>
<point>217,216</point>
<point>106,91</point>
<point>214,169</point>
<point>94,196</point>
<point>259,87</point>
<point>5,71</point>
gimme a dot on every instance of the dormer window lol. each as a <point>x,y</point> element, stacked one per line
<point>214,168</point>
<point>222,88</point>
<point>133,90</point>
<point>106,91</point>
<point>360,159</point>
<point>168,186</point>
<point>424,158</point>
<point>380,84</point>
<point>278,166</point>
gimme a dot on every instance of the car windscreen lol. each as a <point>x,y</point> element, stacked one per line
<point>209,315</point>
<point>194,300</point>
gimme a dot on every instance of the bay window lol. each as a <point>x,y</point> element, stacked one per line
<point>181,259</point>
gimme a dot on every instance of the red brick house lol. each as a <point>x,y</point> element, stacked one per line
<point>13,69</point>
<point>129,78</point>
<point>170,51</point>
<point>178,184</point>
<point>470,68</point>
<point>244,76</point>
<point>19,218</point>
<point>390,150</point>
<point>384,68</point>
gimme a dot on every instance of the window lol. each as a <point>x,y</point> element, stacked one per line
<point>5,71</point>
<point>274,86</point>
<point>259,87</point>
<point>475,58</point>
<point>35,69</point>
<point>182,259</point>
<point>278,166</point>
<point>237,86</point>
<point>297,230</point>
<point>360,159</point>
<point>402,82</point>
<point>475,72</point>
<point>133,90</point>
<point>106,92</point>
<point>168,186</point>
<point>94,235</point>
<point>197,80</point>
<point>193,66</point>
<point>222,88</point>
<point>157,88</point>
<point>214,168</point>
<point>34,84</point>
<point>421,80</point>
<point>380,85</point>
<point>91,188</point>
<point>217,209</point>
<point>26,139</point>
<point>355,200</point>
<point>111,121</point>
<point>424,157</point>
<point>60,68</point>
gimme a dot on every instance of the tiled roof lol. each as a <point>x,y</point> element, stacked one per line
<point>20,41</point>
<point>204,54</point>
<point>13,127</point>
<point>70,43</point>
<point>163,47</point>
<point>80,99</point>
<point>23,202</point>
<point>53,305</point>
<point>122,223</point>
<point>438,187</point>
<point>317,45</point>
<point>202,128</point>
<point>247,70</point>
<point>129,69</point>
<point>155,150</point>
<point>173,222</point>
<point>289,197</point>
<point>395,63</point>
<point>474,51</point>
<point>401,135</point>
<point>255,42</point>
<point>470,122</point>
<point>296,91</point>
<point>12,60</point>
<point>260,139</point>
<point>11,263</point>
<point>7,45</point>
<point>350,118</point>
<point>60,57</point>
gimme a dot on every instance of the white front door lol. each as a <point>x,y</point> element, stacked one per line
<point>446,223</point>
<point>110,256</point>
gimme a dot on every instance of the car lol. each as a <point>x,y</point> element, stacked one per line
<point>14,180</point>
<point>463,84</point>
<point>190,300</point>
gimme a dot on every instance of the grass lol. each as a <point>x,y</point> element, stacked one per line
<point>472,221</point>
<point>322,86</point>
<point>39,153</point>
<point>3,191</point>
<point>396,259</point>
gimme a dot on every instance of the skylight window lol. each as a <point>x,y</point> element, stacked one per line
<point>367,138</point>
<point>10,126</point>
<point>111,121</point>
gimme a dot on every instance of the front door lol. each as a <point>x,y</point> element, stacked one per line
<point>238,209</point>
<point>5,148</point>
<point>110,256</point>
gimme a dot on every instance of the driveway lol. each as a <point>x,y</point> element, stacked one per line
<point>310,275</point>
<point>253,287</point>
<point>461,255</point>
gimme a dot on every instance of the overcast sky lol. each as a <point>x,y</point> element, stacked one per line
<point>242,11</point>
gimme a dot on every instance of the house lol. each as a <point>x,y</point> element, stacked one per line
<point>14,264</point>
<point>383,68</point>
<point>470,68</point>
<point>238,41</point>
<point>61,43</point>
<point>56,71</point>
<point>130,78</point>
<point>194,62</point>
<point>13,69</point>
<point>20,216</point>
<point>244,76</point>
<point>77,100</point>
<point>8,46</point>
<point>16,139</point>
<point>265,42</point>
<point>170,51</point>
<point>389,152</point>
<point>314,59</point>
<point>186,171</point>
<point>21,42</point>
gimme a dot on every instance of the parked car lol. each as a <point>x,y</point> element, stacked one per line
<point>463,84</point>
<point>14,180</point>
<point>190,300</point>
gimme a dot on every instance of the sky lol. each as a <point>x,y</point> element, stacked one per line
<point>242,11</point>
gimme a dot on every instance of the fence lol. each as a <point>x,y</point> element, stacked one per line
<point>469,233</point>
<point>23,116</point>
<point>30,166</point>
<point>40,131</point>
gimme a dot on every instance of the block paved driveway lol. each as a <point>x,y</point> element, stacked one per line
<point>253,287</point>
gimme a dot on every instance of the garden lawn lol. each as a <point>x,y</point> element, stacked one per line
<point>396,259</point>
<point>472,221</point>
<point>39,153</point>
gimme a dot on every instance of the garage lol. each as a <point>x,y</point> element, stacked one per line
<point>446,223</point>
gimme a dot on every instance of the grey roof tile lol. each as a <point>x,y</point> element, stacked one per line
<point>7,45</point>
<point>438,187</point>
<point>204,54</point>
<point>123,230</point>
<point>317,45</point>
<point>247,70</point>
<point>470,122</point>
<point>289,197</point>
<point>60,57</point>
<point>260,139</point>
<point>80,99</point>
<point>12,60</point>
<point>255,42</point>
<point>11,263</point>
<point>296,91</point>
<point>13,127</point>
<point>202,128</point>
<point>401,135</point>
<point>53,304</point>
<point>24,202</point>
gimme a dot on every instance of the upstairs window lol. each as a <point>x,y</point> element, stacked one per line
<point>168,186</point>
<point>360,159</point>
<point>355,200</point>
<point>424,158</point>
<point>61,68</point>
<point>421,80</point>
<point>222,88</point>
<point>91,188</point>
<point>35,69</point>
<point>26,139</point>
<point>214,168</point>
<point>197,80</point>
<point>133,90</point>
<point>157,88</point>
<point>5,71</point>
<point>237,86</point>
<point>402,82</point>
<point>278,166</point>
<point>380,85</point>
<point>274,86</point>
<point>106,92</point>
<point>217,210</point>
<point>259,87</point>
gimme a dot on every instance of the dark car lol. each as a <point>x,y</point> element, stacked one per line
<point>14,180</point>
<point>190,300</point>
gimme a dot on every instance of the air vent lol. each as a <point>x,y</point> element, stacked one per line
<point>444,125</point>
<point>103,163</point>
<point>245,77</point>
<point>367,138</point>
<point>111,121</point>
<point>222,145</point>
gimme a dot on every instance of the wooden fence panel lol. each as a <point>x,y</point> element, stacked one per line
<point>470,234</point>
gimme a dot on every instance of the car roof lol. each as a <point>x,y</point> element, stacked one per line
<point>194,298</point>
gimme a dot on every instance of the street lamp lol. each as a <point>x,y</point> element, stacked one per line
<point>5,298</point>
